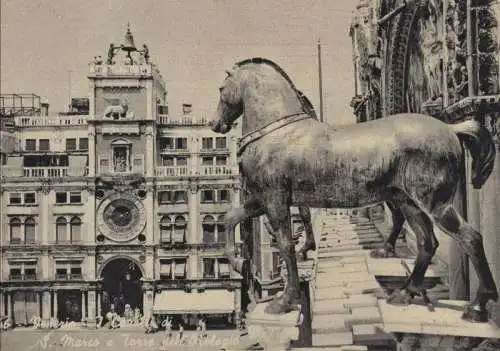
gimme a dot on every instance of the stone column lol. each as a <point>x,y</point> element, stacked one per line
<point>237,307</point>
<point>237,203</point>
<point>91,297</point>
<point>90,272</point>
<point>10,307</point>
<point>98,297</point>
<point>148,302</point>
<point>90,213</point>
<point>44,220</point>
<point>46,312</point>
<point>92,151</point>
<point>194,218</point>
<point>150,154</point>
<point>150,224</point>
<point>149,264</point>
<point>3,310</point>
<point>84,305</point>
<point>39,303</point>
<point>55,311</point>
<point>45,265</point>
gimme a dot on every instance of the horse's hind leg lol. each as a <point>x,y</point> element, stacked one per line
<point>310,243</point>
<point>398,219</point>
<point>471,241</point>
<point>422,225</point>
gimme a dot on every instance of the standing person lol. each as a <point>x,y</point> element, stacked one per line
<point>181,332</point>
<point>203,328</point>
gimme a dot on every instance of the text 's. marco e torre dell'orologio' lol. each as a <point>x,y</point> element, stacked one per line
<point>121,217</point>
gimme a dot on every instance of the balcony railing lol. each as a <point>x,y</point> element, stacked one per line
<point>45,172</point>
<point>120,70</point>
<point>172,171</point>
<point>22,276</point>
<point>47,121</point>
<point>217,170</point>
<point>182,121</point>
<point>74,276</point>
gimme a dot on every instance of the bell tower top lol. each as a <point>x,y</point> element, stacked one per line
<point>126,81</point>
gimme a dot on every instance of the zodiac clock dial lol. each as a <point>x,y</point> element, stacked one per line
<point>121,217</point>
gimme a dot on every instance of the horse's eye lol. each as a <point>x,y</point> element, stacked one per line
<point>220,89</point>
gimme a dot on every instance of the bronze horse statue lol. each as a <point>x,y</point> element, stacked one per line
<point>287,158</point>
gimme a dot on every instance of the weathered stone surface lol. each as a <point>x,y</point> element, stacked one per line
<point>330,323</point>
<point>332,339</point>
<point>364,315</point>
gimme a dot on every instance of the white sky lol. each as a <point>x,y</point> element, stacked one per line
<point>192,42</point>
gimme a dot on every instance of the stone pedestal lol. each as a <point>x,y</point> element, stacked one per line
<point>273,332</point>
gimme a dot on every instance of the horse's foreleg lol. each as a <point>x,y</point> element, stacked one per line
<point>279,219</point>
<point>421,223</point>
<point>310,244</point>
<point>472,243</point>
<point>398,221</point>
<point>251,208</point>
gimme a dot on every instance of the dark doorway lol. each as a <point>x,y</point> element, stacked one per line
<point>69,305</point>
<point>121,286</point>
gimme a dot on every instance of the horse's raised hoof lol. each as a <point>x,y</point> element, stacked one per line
<point>400,297</point>
<point>476,314</point>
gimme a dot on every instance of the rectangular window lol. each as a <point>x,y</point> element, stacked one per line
<point>207,143</point>
<point>207,196</point>
<point>71,144</point>
<point>207,161</point>
<point>181,161</point>
<point>180,197</point>
<point>29,198</point>
<point>15,199</point>
<point>44,145</point>
<point>165,197</point>
<point>76,272</point>
<point>221,160</point>
<point>209,268</point>
<point>220,143</point>
<point>167,161</point>
<point>84,144</point>
<point>181,143</point>
<point>180,269</point>
<point>166,143</point>
<point>61,197</point>
<point>30,145</point>
<point>223,268</point>
<point>75,197</point>
<point>15,274</point>
<point>224,196</point>
<point>30,273</point>
<point>165,269</point>
<point>61,273</point>
<point>276,264</point>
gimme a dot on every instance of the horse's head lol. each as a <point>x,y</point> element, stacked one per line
<point>230,103</point>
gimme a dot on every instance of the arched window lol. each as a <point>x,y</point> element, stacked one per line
<point>208,229</point>
<point>179,229</point>
<point>76,229</point>
<point>15,230</point>
<point>61,229</point>
<point>221,233</point>
<point>165,229</point>
<point>29,230</point>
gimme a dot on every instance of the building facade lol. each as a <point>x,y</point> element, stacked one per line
<point>120,206</point>
<point>441,58</point>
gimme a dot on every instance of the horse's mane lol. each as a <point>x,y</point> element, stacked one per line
<point>302,97</point>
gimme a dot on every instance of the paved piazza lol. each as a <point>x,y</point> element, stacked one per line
<point>58,340</point>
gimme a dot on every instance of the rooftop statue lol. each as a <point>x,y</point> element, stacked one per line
<point>288,158</point>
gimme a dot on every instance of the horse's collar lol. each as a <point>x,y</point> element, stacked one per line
<point>268,128</point>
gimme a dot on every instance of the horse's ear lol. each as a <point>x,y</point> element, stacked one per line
<point>229,73</point>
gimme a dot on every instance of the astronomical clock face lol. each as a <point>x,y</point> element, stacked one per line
<point>121,217</point>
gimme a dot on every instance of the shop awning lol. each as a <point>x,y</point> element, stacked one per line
<point>179,301</point>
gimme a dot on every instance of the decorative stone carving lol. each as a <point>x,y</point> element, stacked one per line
<point>193,187</point>
<point>117,108</point>
<point>121,217</point>
<point>45,187</point>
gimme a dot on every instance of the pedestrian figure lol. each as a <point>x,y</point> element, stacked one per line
<point>203,328</point>
<point>181,332</point>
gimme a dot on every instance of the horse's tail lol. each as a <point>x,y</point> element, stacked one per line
<point>480,143</point>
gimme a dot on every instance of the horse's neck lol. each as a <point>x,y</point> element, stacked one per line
<point>264,106</point>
